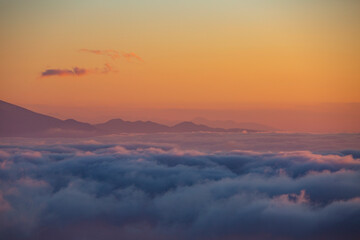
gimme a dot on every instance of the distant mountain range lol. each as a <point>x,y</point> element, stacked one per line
<point>16,121</point>
<point>233,124</point>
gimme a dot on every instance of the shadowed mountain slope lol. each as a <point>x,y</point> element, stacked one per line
<point>18,121</point>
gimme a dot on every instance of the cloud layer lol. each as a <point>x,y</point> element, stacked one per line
<point>95,190</point>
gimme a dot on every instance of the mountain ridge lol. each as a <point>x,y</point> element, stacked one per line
<point>16,121</point>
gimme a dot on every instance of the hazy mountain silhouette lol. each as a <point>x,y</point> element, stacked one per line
<point>190,127</point>
<point>16,121</point>
<point>121,126</point>
<point>233,124</point>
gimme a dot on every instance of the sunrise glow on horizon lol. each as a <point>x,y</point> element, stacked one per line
<point>131,55</point>
<point>192,53</point>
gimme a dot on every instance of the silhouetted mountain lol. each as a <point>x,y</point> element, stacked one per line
<point>121,126</point>
<point>228,124</point>
<point>79,125</point>
<point>18,121</point>
<point>190,127</point>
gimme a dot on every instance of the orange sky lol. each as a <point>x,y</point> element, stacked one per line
<point>187,54</point>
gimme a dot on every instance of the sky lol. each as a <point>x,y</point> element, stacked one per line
<point>127,56</point>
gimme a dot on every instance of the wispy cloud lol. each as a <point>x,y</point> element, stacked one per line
<point>76,71</point>
<point>132,55</point>
<point>113,54</point>
<point>110,53</point>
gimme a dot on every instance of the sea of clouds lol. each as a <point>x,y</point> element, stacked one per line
<point>187,186</point>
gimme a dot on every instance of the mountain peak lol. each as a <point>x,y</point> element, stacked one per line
<point>18,121</point>
<point>188,126</point>
<point>186,123</point>
<point>115,120</point>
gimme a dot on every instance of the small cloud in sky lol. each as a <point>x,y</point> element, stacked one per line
<point>76,71</point>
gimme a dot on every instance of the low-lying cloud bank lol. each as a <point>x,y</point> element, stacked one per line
<point>139,191</point>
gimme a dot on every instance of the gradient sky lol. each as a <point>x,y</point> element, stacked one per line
<point>204,54</point>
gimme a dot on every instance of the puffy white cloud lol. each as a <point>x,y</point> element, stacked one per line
<point>96,189</point>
